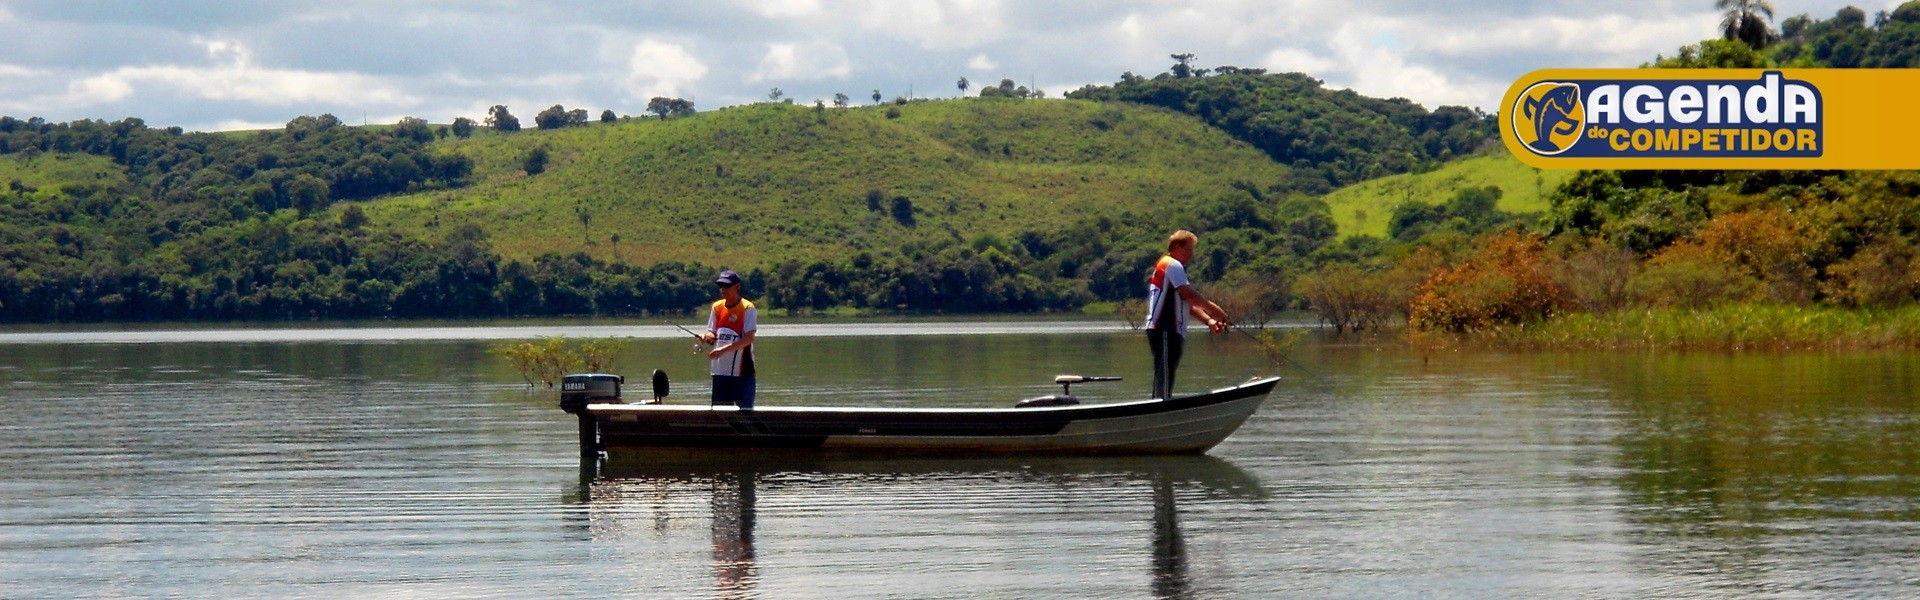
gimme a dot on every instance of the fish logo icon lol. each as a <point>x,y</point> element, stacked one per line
<point>1549,117</point>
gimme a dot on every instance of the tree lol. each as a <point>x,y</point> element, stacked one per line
<point>500,120</point>
<point>1747,21</point>
<point>1006,89</point>
<point>536,162</point>
<point>669,107</point>
<point>963,86</point>
<point>876,96</point>
<point>607,116</point>
<point>413,128</point>
<point>551,118</point>
<point>353,218</point>
<point>577,117</point>
<point>661,106</point>
<point>903,210</point>
<point>307,193</point>
<point>1183,64</point>
<point>680,107</point>
<point>775,94</point>
<point>462,127</point>
<point>839,100</point>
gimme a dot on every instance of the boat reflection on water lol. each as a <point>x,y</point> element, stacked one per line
<point>733,564</point>
<point>1169,547</point>
<point>650,491</point>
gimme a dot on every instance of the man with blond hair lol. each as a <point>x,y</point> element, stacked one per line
<point>1170,298</point>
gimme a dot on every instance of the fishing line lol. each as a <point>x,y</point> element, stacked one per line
<point>1273,350</point>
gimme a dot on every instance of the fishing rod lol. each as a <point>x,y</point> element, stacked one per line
<point>1272,350</point>
<point>696,337</point>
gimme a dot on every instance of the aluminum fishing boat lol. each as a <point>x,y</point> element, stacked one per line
<point>1056,424</point>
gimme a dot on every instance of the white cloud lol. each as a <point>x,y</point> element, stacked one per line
<point>1609,34</point>
<point>7,70</point>
<point>938,24</point>
<point>1291,60</point>
<point>1372,60</point>
<point>784,9</point>
<point>794,61</point>
<point>243,125</point>
<point>99,89</point>
<point>234,77</point>
<point>982,63</point>
<point>659,68</point>
<point>1132,29</point>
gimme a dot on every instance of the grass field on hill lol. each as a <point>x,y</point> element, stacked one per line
<point>753,185</point>
<point>49,171</point>
<point>1366,207</point>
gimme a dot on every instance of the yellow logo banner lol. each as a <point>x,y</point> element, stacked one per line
<point>1714,118</point>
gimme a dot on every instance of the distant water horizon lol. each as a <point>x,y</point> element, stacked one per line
<point>374,331</point>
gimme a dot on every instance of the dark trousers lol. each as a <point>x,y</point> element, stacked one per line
<point>1166,345</point>
<point>737,391</point>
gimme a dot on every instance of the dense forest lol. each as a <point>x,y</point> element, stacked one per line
<point>120,221</point>
<point>1330,138</point>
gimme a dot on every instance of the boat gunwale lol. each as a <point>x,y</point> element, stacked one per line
<point>1174,404</point>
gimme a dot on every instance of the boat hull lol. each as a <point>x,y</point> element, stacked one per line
<point>1190,424</point>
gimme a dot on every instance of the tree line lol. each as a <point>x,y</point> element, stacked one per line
<point>1329,138</point>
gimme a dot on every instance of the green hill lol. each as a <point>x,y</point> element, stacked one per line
<point>754,185</point>
<point>1365,208</point>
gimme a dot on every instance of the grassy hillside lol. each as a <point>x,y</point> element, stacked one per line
<point>753,185</point>
<point>1364,208</point>
<point>51,171</point>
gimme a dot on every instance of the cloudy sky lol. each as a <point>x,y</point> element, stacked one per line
<point>242,64</point>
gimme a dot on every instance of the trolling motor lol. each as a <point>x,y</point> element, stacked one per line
<point>1065,397</point>
<point>659,386</point>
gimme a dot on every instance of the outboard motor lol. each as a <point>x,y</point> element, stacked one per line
<point>579,390</point>
<point>576,392</point>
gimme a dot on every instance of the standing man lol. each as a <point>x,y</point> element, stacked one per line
<point>731,322</point>
<point>1170,297</point>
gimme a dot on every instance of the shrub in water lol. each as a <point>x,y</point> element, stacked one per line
<point>1505,283</point>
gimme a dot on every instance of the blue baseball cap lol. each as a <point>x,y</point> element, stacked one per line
<point>727,278</point>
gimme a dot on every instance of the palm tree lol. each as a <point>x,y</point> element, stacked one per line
<point>963,86</point>
<point>1747,21</point>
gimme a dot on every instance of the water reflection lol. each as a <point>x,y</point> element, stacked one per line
<point>653,494</point>
<point>1169,547</point>
<point>733,512</point>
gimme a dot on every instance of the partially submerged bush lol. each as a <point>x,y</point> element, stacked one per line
<point>1351,299</point>
<point>1254,300</point>
<point>548,359</point>
<point>1346,297</point>
<point>1505,283</point>
<point>1596,277</point>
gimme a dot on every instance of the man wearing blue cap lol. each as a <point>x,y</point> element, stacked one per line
<point>731,322</point>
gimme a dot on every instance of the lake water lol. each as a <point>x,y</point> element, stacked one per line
<point>405,462</point>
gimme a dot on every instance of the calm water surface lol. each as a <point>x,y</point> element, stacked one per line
<point>383,462</point>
